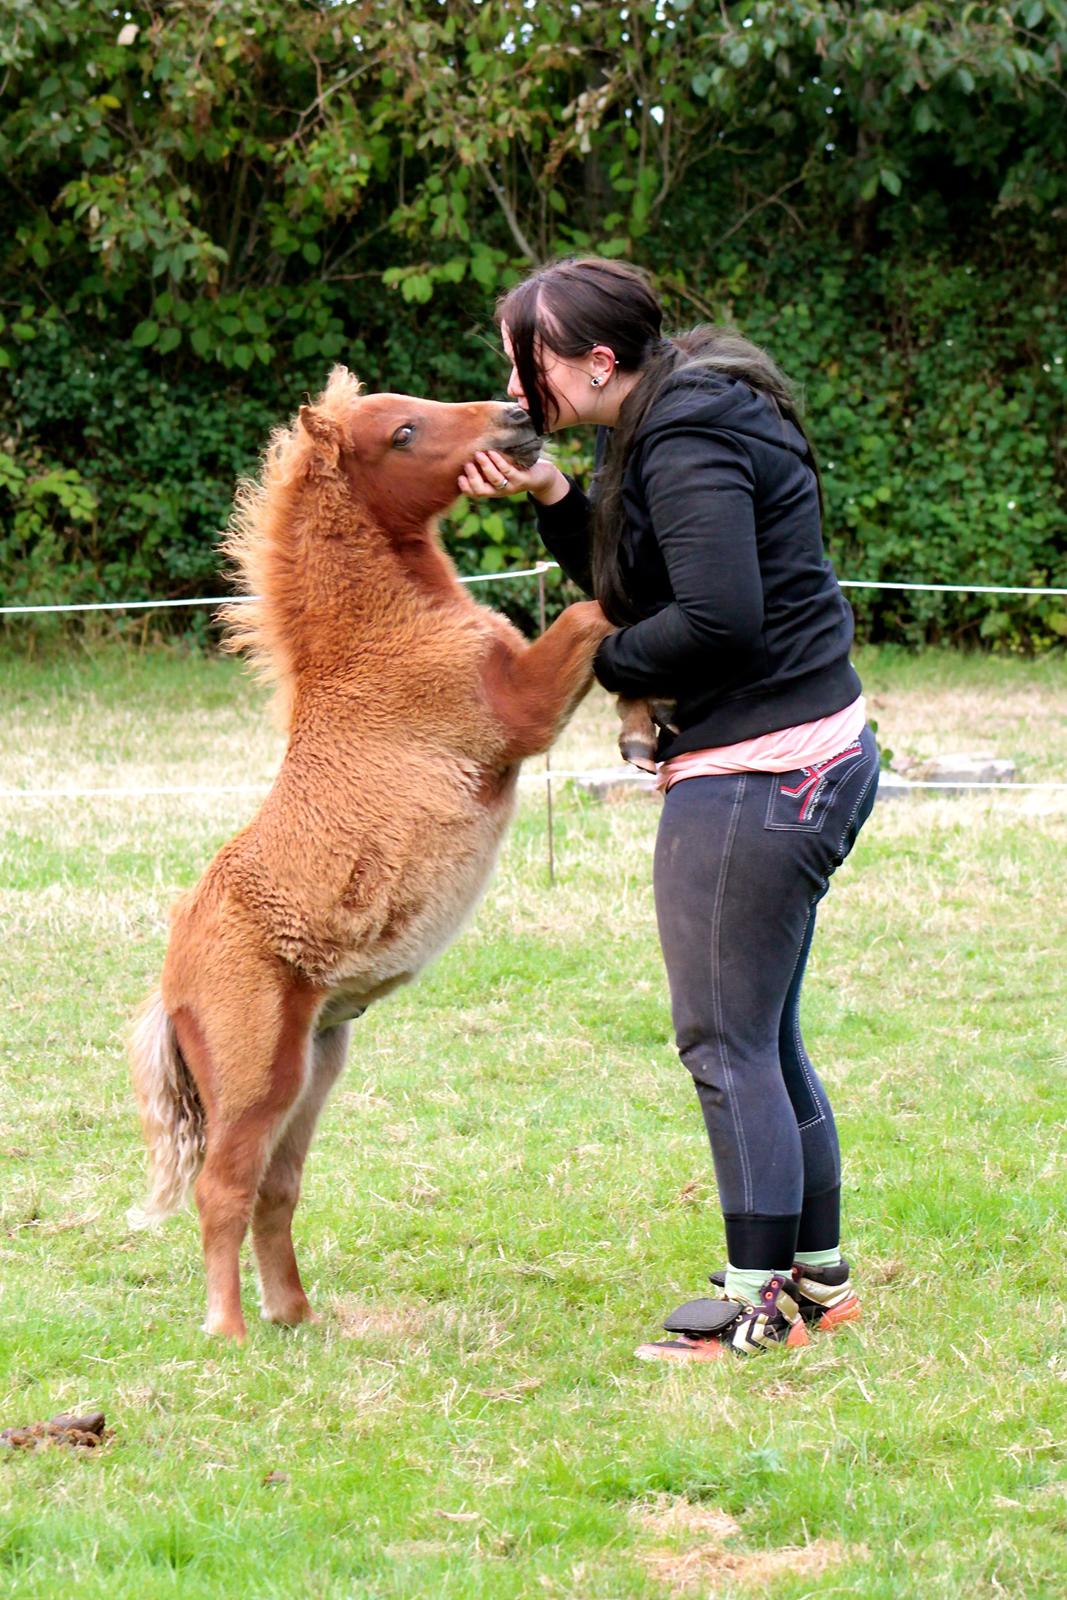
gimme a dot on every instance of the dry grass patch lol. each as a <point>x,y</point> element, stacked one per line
<point>702,1567</point>
<point>669,1514</point>
<point>354,1320</point>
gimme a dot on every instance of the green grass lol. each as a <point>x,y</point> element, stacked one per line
<point>511,1186</point>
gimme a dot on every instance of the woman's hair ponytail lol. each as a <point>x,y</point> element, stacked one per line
<point>705,349</point>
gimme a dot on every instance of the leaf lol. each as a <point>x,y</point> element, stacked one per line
<point>417,289</point>
<point>890,180</point>
<point>145,333</point>
<point>169,340</point>
<point>483,269</point>
<point>311,252</point>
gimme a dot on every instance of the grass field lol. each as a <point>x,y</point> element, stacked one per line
<point>511,1186</point>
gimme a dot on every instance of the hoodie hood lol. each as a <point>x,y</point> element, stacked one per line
<point>696,400</point>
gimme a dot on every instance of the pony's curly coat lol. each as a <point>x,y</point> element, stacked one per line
<point>409,708</point>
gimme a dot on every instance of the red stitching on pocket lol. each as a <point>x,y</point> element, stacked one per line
<point>813,776</point>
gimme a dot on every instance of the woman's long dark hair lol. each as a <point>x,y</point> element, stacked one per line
<point>572,305</point>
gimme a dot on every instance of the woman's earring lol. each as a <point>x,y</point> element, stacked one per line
<point>596,382</point>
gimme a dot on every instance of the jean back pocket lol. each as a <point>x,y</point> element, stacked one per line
<point>801,801</point>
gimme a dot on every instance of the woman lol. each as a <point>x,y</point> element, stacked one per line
<point>702,541</point>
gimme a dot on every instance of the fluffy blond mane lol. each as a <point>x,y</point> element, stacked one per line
<point>261,544</point>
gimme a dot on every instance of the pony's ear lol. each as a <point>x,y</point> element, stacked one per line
<point>323,429</point>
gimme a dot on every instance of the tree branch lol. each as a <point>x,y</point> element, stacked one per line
<point>509,215</point>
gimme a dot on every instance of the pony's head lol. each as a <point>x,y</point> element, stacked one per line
<point>352,472</point>
<point>401,456</point>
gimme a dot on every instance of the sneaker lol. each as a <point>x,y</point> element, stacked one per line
<point>708,1328</point>
<point>825,1294</point>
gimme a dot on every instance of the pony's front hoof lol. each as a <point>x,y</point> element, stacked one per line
<point>639,753</point>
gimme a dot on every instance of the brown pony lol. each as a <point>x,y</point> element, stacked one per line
<point>409,709</point>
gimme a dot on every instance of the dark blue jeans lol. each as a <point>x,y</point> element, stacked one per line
<point>741,863</point>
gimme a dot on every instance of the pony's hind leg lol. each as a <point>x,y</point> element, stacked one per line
<point>281,1291</point>
<point>249,1098</point>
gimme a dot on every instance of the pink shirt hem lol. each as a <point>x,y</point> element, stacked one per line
<point>784,750</point>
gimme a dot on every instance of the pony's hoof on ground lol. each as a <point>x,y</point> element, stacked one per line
<point>223,1327</point>
<point>290,1316</point>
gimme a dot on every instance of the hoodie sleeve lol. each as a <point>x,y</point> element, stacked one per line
<point>699,489</point>
<point>564,529</point>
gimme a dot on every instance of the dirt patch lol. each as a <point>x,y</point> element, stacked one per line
<point>703,1566</point>
<point>76,1433</point>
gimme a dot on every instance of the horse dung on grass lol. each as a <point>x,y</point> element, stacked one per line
<point>409,709</point>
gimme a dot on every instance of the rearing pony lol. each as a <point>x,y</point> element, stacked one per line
<point>409,709</point>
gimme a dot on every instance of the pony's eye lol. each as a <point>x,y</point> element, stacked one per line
<point>403,436</point>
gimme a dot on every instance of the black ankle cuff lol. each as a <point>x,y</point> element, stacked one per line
<point>820,1221</point>
<point>753,1242</point>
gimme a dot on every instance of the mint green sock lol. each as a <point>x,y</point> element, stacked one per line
<point>819,1258</point>
<point>743,1283</point>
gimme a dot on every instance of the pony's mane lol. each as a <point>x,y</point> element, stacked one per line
<point>264,558</point>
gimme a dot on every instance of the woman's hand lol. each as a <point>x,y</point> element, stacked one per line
<point>491,474</point>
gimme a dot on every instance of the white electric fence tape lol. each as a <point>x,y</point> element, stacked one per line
<point>261,789</point>
<point>496,577</point>
<point>481,577</point>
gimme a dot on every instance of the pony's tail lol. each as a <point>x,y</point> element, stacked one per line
<point>172,1116</point>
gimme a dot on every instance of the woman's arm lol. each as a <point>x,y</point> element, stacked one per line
<point>699,488</point>
<point>563,512</point>
<point>563,525</point>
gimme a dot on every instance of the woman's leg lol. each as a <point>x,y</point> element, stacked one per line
<point>733,903</point>
<point>820,1215</point>
<point>740,865</point>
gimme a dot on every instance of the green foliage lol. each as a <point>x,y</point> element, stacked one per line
<point>205,207</point>
<point>934,396</point>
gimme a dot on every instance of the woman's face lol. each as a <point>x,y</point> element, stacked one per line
<point>567,379</point>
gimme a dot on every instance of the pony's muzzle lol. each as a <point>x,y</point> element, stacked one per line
<point>517,440</point>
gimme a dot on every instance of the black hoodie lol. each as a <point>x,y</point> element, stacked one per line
<point>742,622</point>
